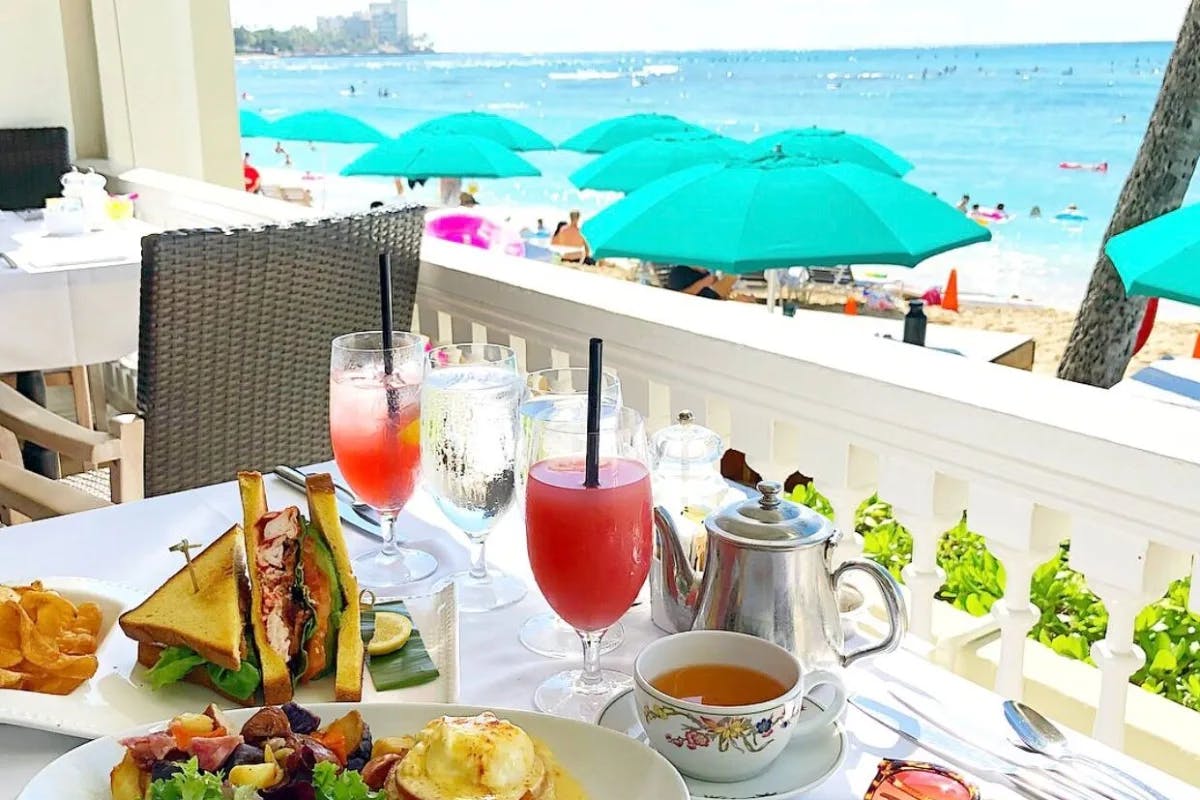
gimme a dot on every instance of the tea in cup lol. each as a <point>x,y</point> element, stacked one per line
<point>722,706</point>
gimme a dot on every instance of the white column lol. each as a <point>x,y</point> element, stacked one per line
<point>1128,572</point>
<point>34,92</point>
<point>1023,536</point>
<point>167,81</point>
<point>843,472</point>
<point>928,504</point>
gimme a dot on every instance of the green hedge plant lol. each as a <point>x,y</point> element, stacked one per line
<point>1071,617</point>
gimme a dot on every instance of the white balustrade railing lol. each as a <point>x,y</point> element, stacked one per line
<point>1032,460</point>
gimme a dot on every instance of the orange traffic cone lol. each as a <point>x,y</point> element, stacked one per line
<point>851,306</point>
<point>950,296</point>
<point>1196,348</point>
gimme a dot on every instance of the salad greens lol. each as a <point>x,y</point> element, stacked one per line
<point>176,662</point>
<point>346,785</point>
<point>192,784</point>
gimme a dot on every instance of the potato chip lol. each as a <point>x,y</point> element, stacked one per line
<point>88,619</point>
<point>46,643</point>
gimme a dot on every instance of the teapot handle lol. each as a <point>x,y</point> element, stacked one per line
<point>897,613</point>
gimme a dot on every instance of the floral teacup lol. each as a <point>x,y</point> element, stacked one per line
<point>727,743</point>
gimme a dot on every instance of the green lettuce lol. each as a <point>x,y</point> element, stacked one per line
<point>192,784</point>
<point>346,785</point>
<point>174,663</point>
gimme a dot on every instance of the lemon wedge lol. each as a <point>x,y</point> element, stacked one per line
<point>391,633</point>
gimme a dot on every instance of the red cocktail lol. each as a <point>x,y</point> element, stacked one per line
<point>589,546</point>
<point>375,428</point>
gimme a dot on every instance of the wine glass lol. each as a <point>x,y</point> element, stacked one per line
<point>375,428</point>
<point>470,432</point>
<point>555,392</point>
<point>589,546</point>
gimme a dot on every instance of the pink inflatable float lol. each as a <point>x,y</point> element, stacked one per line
<point>463,227</point>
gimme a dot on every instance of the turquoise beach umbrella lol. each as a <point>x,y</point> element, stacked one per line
<point>612,133</point>
<point>1161,258</point>
<point>779,211</point>
<point>427,155</point>
<point>502,130</point>
<point>642,161</point>
<point>325,126</point>
<point>253,125</point>
<point>832,145</point>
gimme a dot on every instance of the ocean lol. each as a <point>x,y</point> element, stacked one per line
<point>992,122</point>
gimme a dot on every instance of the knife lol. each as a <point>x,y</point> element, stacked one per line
<point>347,513</point>
<point>934,713</point>
<point>1026,782</point>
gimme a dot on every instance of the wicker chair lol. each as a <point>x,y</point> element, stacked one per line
<point>233,357</point>
<point>235,329</point>
<point>31,162</point>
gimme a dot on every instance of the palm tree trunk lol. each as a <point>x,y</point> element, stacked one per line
<point>1101,342</point>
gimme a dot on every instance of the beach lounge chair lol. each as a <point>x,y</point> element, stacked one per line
<point>1169,380</point>
<point>292,194</point>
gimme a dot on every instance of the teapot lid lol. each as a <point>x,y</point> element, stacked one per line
<point>686,443</point>
<point>772,521</point>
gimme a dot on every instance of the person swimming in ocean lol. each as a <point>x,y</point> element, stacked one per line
<point>352,90</point>
<point>963,203</point>
<point>1035,212</point>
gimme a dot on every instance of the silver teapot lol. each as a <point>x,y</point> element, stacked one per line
<point>768,573</point>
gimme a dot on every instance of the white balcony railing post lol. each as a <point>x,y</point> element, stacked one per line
<point>1023,536</point>
<point>928,504</point>
<point>1127,572</point>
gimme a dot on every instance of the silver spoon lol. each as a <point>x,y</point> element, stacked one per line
<point>1042,736</point>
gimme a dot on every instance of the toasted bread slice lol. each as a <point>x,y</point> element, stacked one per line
<point>209,621</point>
<point>322,512</point>
<point>276,679</point>
<point>147,655</point>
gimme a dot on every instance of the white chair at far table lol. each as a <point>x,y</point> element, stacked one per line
<point>25,495</point>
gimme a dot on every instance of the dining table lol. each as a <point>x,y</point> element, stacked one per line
<point>68,300</point>
<point>128,544</point>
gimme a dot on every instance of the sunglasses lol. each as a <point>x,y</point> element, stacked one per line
<point>916,780</point>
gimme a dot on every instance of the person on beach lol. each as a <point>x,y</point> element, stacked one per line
<point>693,280</point>
<point>250,176</point>
<point>570,235</point>
<point>963,203</point>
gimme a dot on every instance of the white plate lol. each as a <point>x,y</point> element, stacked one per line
<point>805,763</point>
<point>608,765</point>
<point>118,697</point>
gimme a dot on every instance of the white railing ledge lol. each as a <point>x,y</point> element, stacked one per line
<point>173,201</point>
<point>1073,442</point>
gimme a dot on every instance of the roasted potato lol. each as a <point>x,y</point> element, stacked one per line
<point>125,780</point>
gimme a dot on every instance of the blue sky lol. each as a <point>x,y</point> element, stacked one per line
<point>584,25</point>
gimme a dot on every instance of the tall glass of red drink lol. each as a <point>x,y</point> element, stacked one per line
<point>589,547</point>
<point>375,428</point>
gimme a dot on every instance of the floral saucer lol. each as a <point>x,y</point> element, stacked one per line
<point>807,762</point>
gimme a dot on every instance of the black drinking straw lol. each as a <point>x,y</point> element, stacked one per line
<point>385,312</point>
<point>591,463</point>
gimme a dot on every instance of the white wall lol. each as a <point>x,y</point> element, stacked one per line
<point>146,83</point>
<point>34,90</point>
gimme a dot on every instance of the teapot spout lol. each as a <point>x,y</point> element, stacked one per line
<point>675,588</point>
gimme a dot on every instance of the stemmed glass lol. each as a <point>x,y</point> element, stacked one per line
<point>470,433</point>
<point>375,428</point>
<point>589,547</point>
<point>562,392</point>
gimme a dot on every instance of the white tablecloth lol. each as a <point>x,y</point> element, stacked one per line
<point>129,544</point>
<point>53,317</point>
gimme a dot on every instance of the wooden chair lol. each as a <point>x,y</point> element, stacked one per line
<point>25,495</point>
